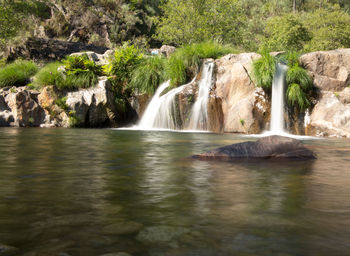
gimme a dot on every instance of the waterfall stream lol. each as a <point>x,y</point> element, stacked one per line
<point>161,112</point>
<point>277,106</point>
<point>199,112</point>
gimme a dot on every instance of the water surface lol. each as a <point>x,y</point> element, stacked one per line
<point>96,191</point>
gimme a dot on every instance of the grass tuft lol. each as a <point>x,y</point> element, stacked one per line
<point>17,73</point>
<point>264,70</point>
<point>297,97</point>
<point>298,75</point>
<point>48,75</point>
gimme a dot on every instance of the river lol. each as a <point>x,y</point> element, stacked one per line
<point>97,191</point>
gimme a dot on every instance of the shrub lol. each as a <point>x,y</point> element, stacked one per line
<point>149,74</point>
<point>185,61</point>
<point>49,75</point>
<point>297,97</point>
<point>17,73</point>
<point>124,61</point>
<point>264,69</point>
<point>80,72</point>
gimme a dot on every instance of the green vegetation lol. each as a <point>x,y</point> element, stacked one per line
<point>185,61</point>
<point>17,73</point>
<point>123,63</point>
<point>264,70</point>
<point>61,102</point>
<point>149,74</point>
<point>297,97</point>
<point>49,75</point>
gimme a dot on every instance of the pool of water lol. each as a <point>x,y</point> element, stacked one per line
<point>97,191</point>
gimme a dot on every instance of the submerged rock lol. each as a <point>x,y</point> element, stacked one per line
<point>161,234</point>
<point>274,147</point>
<point>6,250</point>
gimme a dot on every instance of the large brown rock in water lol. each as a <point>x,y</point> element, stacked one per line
<point>271,147</point>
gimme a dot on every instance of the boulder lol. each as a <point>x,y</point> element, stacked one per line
<point>99,59</point>
<point>167,50</point>
<point>271,147</point>
<point>19,107</point>
<point>161,234</point>
<point>94,106</point>
<point>331,115</point>
<point>6,250</point>
<point>243,104</point>
<point>330,69</point>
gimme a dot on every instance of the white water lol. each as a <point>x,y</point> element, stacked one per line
<point>277,106</point>
<point>149,118</point>
<point>199,112</point>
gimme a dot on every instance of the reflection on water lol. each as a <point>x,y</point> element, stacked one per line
<point>91,192</point>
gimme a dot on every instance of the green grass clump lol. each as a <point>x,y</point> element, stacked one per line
<point>149,74</point>
<point>17,73</point>
<point>296,96</point>
<point>264,70</point>
<point>49,75</point>
<point>124,61</point>
<point>298,75</point>
<point>80,72</point>
<point>184,62</point>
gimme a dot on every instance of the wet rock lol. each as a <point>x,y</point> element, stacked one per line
<point>117,254</point>
<point>161,234</point>
<point>271,147</point>
<point>6,250</point>
<point>123,228</point>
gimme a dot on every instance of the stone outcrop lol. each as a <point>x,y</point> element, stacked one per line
<point>331,73</point>
<point>19,107</point>
<point>41,49</point>
<point>244,105</point>
<point>99,59</point>
<point>271,147</point>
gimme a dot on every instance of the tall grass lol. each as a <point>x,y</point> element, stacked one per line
<point>149,74</point>
<point>297,97</point>
<point>298,75</point>
<point>17,73</point>
<point>184,62</point>
<point>264,70</point>
<point>48,75</point>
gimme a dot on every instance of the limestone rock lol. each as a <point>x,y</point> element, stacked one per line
<point>238,93</point>
<point>330,69</point>
<point>271,147</point>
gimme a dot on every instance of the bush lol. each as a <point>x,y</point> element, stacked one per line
<point>184,62</point>
<point>49,75</point>
<point>149,74</point>
<point>264,70</point>
<point>124,61</point>
<point>17,73</point>
<point>80,72</point>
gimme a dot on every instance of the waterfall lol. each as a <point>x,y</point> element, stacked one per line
<point>277,106</point>
<point>199,112</point>
<point>149,117</point>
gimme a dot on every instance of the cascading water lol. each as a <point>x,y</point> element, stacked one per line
<point>199,112</point>
<point>277,106</point>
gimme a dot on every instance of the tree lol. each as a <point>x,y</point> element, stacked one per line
<point>186,22</point>
<point>286,33</point>
<point>330,29</point>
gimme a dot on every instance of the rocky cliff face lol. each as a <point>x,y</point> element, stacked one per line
<point>93,107</point>
<point>331,73</point>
